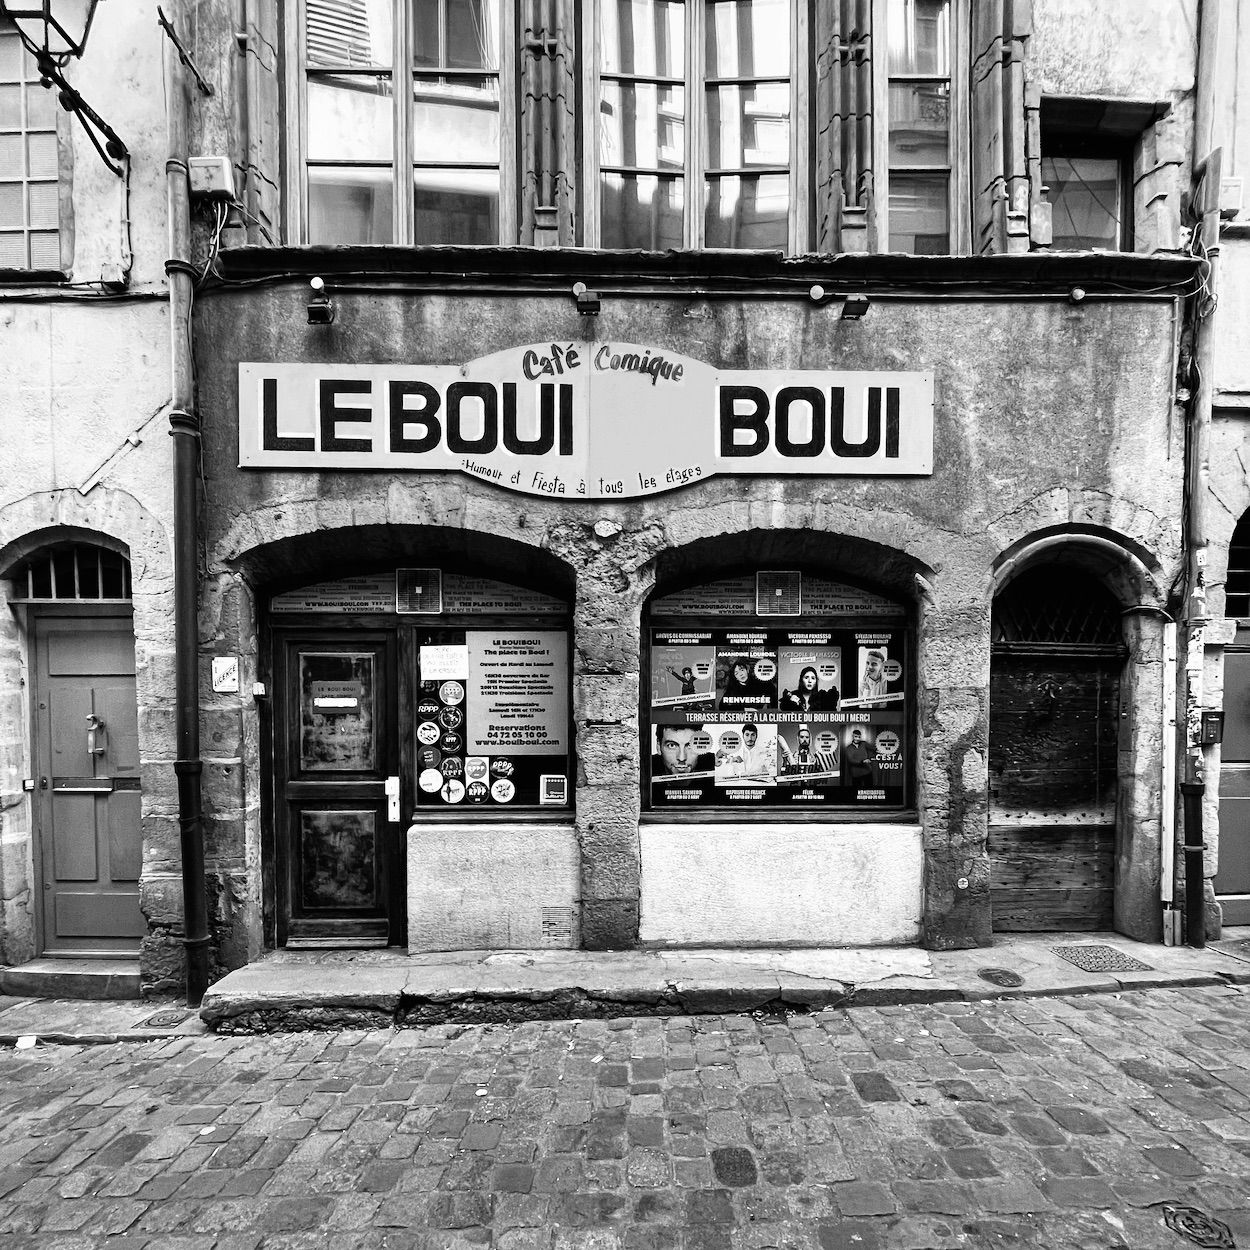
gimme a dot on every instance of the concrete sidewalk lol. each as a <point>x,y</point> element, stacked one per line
<point>289,990</point>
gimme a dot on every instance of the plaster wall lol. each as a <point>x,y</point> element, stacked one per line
<point>780,885</point>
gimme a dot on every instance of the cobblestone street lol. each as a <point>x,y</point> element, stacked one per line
<point>1056,1122</point>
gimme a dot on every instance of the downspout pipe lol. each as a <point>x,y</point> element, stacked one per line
<point>1206,165</point>
<point>184,428</point>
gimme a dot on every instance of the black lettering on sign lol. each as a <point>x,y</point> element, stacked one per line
<point>329,390</point>
<point>488,440</point>
<point>547,394</point>
<point>406,415</point>
<point>815,400</point>
<point>753,421</point>
<point>271,440</point>
<point>872,435</point>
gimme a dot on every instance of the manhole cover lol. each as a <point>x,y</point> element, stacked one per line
<point>1199,1227</point>
<point>1001,976</point>
<point>1090,957</point>
<point>163,1020</point>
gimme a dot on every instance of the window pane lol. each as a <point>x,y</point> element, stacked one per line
<point>642,125</point>
<point>748,39</point>
<point>456,206</point>
<point>349,32</point>
<point>45,208</point>
<point>350,118</point>
<point>920,36</point>
<point>919,124</point>
<point>643,37</point>
<point>10,107</point>
<point>748,126</point>
<point>643,212</point>
<point>40,108</point>
<point>42,150</point>
<point>456,119</point>
<point>11,205</point>
<point>350,205</point>
<point>1085,200</point>
<point>748,212</point>
<point>45,251</point>
<point>11,161</point>
<point>10,56</point>
<point>919,214</point>
<point>12,251</point>
<point>455,34</point>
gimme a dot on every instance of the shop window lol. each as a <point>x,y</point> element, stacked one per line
<point>1237,587</point>
<point>777,690</point>
<point>30,177</point>
<point>74,572</point>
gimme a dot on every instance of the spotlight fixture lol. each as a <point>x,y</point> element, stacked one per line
<point>320,306</point>
<point>586,299</point>
<point>854,307</point>
<point>1077,295</point>
<point>817,294</point>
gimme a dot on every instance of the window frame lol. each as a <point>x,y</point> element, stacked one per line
<point>1072,144</point>
<point>801,172</point>
<point>959,187</point>
<point>403,162</point>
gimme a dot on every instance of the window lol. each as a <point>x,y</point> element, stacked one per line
<point>74,571</point>
<point>413,87</point>
<point>695,124</point>
<point>1086,182</point>
<point>1237,586</point>
<point>30,235</point>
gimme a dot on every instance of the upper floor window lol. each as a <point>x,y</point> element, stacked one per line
<point>403,120</point>
<point>698,125</point>
<point>30,230</point>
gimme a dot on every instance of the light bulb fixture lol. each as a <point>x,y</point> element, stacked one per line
<point>320,305</point>
<point>586,299</point>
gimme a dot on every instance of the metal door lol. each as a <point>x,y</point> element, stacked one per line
<point>1232,881</point>
<point>89,842</point>
<point>339,820</point>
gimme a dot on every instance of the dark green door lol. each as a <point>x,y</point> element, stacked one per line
<point>1232,881</point>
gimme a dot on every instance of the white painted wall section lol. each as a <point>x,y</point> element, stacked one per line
<point>494,887</point>
<point>781,885</point>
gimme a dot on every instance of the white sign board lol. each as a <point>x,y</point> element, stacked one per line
<point>518,693</point>
<point>585,420</point>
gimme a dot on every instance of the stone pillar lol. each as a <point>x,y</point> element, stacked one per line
<point>17,938</point>
<point>952,764</point>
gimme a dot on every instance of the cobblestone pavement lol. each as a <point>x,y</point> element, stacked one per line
<point>1061,1122</point>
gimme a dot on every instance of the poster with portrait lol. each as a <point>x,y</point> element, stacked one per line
<point>788,726</point>
<point>683,671</point>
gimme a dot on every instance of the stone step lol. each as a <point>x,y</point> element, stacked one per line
<point>72,978</point>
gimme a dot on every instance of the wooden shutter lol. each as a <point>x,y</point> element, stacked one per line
<point>1001,194</point>
<point>843,126</point>
<point>262,173</point>
<point>548,123</point>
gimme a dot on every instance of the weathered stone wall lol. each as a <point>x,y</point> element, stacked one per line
<point>1052,419</point>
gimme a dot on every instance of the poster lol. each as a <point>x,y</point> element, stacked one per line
<point>778,717</point>
<point>492,717</point>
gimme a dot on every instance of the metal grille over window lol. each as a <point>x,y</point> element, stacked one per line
<point>77,573</point>
<point>1237,588</point>
<point>1056,607</point>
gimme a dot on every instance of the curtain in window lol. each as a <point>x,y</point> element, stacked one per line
<point>1000,175</point>
<point>548,102</point>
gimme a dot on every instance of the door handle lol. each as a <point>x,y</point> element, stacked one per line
<point>392,799</point>
<point>95,734</point>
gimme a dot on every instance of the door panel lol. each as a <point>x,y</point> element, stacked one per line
<point>337,743</point>
<point>87,801</point>
<point>1232,882</point>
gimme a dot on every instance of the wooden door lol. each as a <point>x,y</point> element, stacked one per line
<point>1232,881</point>
<point>339,845</point>
<point>1054,734</point>
<point>88,836</point>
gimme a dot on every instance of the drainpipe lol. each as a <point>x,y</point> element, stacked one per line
<point>1206,164</point>
<point>184,428</point>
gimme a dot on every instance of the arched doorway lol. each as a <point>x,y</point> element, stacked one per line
<point>85,785</point>
<point>1056,660</point>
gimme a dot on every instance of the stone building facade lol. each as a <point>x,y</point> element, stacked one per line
<point>446,696</point>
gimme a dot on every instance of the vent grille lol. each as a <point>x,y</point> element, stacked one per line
<point>1056,607</point>
<point>76,573</point>
<point>418,592</point>
<point>778,594</point>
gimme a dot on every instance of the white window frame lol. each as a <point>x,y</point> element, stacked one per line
<point>402,157</point>
<point>802,173</point>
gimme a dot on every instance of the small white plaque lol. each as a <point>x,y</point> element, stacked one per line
<point>226,674</point>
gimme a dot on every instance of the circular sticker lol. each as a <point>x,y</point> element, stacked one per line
<point>826,741</point>
<point>702,741</point>
<point>765,670</point>
<point>502,768</point>
<point>451,767</point>
<point>451,743</point>
<point>503,790</point>
<point>429,757</point>
<point>893,670</point>
<point>476,768</point>
<point>729,741</point>
<point>431,780</point>
<point>427,733</point>
<point>451,718</point>
<point>427,709</point>
<point>887,742</point>
<point>451,692</point>
<point>478,791</point>
<point>453,791</point>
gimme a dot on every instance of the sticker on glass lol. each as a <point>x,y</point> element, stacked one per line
<point>453,790</point>
<point>503,790</point>
<point>502,768</point>
<point>477,791</point>
<point>451,743</point>
<point>451,692</point>
<point>427,733</point>
<point>431,780</point>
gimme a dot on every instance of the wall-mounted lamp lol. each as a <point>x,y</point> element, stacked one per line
<point>53,32</point>
<point>854,307</point>
<point>1077,295</point>
<point>586,299</point>
<point>320,306</point>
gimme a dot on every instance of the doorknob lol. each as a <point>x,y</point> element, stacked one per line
<point>95,734</point>
<point>392,798</point>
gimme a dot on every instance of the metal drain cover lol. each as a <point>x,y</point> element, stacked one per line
<point>1001,976</point>
<point>163,1020</point>
<point>1090,957</point>
<point>1199,1227</point>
